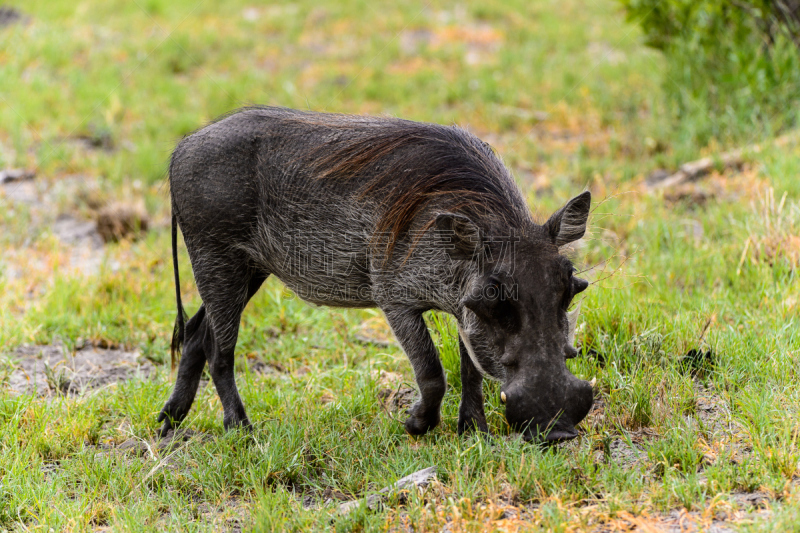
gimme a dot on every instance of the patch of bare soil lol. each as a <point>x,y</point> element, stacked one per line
<point>18,185</point>
<point>722,436</point>
<point>603,52</point>
<point>455,29</point>
<point>79,237</point>
<point>622,452</point>
<point>627,451</point>
<point>721,439</point>
<point>46,370</point>
<point>692,194</point>
<point>94,138</point>
<point>731,185</point>
<point>82,238</point>
<point>393,392</point>
<point>712,412</point>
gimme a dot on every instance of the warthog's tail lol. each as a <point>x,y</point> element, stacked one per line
<point>179,332</point>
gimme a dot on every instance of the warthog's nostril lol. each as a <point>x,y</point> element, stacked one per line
<point>570,352</point>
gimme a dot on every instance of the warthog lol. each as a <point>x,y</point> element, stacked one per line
<point>354,211</point>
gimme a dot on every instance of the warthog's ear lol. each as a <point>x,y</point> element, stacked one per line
<point>568,224</point>
<point>458,235</point>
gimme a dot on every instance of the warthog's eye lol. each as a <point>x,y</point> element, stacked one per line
<point>495,303</point>
<point>509,360</point>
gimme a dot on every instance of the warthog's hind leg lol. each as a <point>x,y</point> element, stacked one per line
<point>190,369</point>
<point>225,327</point>
<point>211,336</point>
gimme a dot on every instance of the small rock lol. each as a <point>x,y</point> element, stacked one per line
<point>421,478</point>
<point>330,494</point>
<point>9,16</point>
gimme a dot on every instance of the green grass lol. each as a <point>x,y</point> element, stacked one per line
<point>570,98</point>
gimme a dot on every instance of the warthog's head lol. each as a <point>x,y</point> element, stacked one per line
<point>516,326</point>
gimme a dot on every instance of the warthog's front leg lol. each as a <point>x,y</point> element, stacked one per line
<point>412,334</point>
<point>471,415</point>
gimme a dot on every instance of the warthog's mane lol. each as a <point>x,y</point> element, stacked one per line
<point>412,167</point>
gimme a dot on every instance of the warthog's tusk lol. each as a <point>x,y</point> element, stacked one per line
<point>502,396</point>
<point>594,380</point>
<point>572,320</point>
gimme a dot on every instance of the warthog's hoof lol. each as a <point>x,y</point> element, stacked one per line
<point>242,423</point>
<point>469,423</point>
<point>166,427</point>
<point>171,418</point>
<point>420,424</point>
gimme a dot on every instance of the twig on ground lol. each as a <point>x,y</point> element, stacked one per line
<point>696,169</point>
<point>12,175</point>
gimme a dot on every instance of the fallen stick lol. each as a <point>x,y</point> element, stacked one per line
<point>418,479</point>
<point>15,174</point>
<point>696,169</point>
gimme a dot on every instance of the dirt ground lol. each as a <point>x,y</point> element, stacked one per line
<point>47,370</point>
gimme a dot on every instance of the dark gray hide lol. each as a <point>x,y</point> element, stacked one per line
<point>355,211</point>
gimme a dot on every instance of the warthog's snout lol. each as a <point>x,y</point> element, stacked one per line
<point>542,419</point>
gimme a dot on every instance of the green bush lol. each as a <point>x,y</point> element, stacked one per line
<point>732,67</point>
